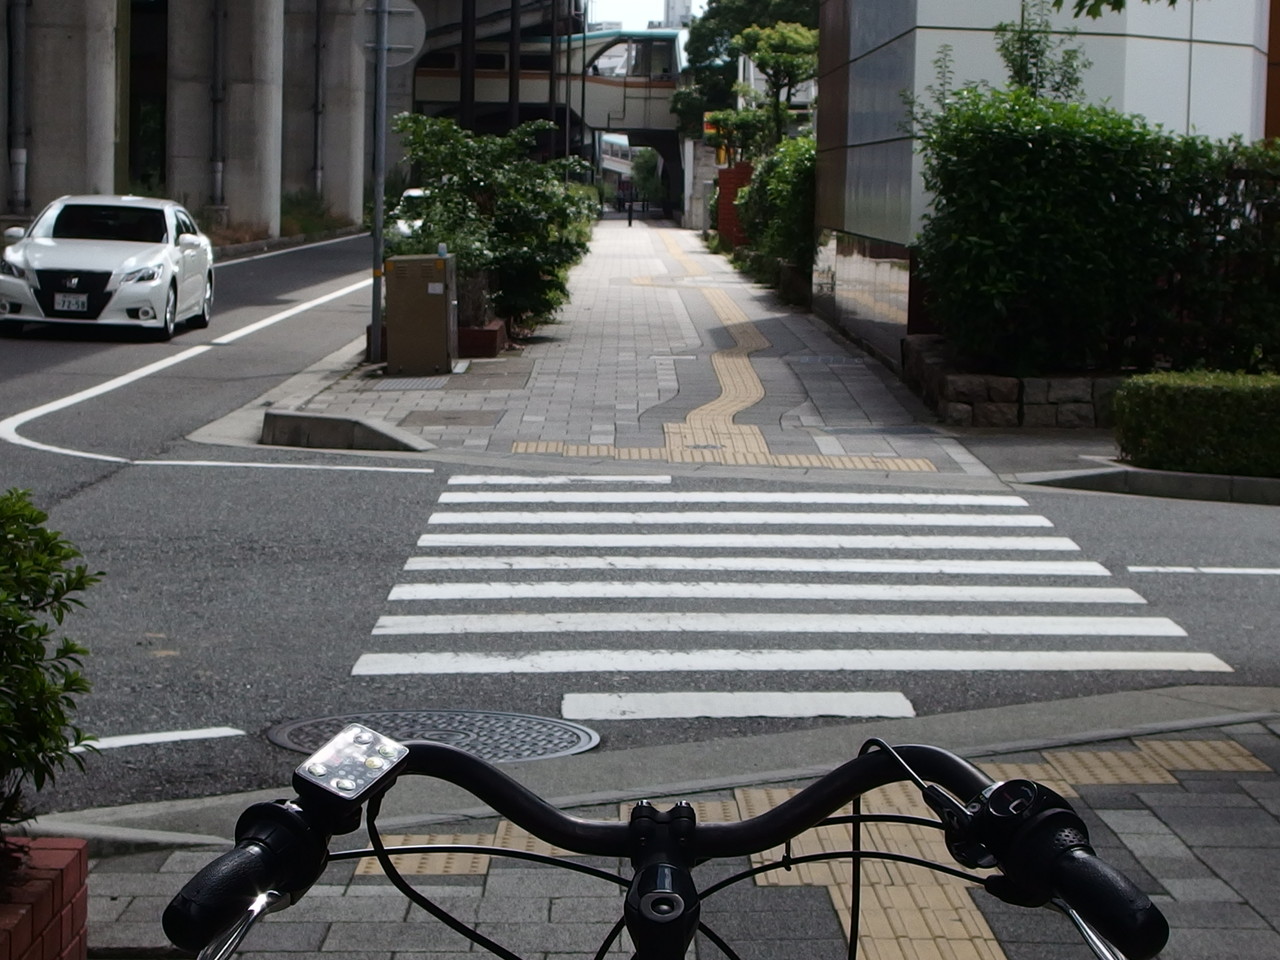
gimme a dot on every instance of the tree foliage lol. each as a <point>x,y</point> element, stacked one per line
<point>39,674</point>
<point>645,175</point>
<point>713,68</point>
<point>786,54</point>
<point>777,208</point>
<point>498,209</point>
<point>1096,8</point>
<point>742,134</point>
<point>1039,61</point>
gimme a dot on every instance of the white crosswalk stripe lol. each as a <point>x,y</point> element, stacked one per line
<point>475,604</point>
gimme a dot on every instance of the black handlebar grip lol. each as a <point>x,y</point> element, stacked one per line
<point>219,895</point>
<point>278,847</point>
<point>1110,903</point>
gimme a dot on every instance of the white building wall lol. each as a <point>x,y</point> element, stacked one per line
<point>1196,68</point>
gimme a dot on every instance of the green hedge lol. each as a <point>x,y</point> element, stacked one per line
<point>1068,237</point>
<point>1201,422</point>
<point>777,208</point>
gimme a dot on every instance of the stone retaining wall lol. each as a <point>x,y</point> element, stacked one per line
<point>980,400</point>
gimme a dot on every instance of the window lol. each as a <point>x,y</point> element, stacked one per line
<point>82,221</point>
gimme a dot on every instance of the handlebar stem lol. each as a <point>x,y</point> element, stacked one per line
<point>662,905</point>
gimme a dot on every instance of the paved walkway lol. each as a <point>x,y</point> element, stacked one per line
<point>665,354</point>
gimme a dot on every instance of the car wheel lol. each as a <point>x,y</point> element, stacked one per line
<point>170,316</point>
<point>201,319</point>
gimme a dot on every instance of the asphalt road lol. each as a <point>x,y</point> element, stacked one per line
<point>242,585</point>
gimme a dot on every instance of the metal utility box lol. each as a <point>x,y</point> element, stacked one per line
<point>422,315</point>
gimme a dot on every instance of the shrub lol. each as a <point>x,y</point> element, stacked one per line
<point>1201,422</point>
<point>1068,237</point>
<point>777,208</point>
<point>39,676</point>
<point>499,209</point>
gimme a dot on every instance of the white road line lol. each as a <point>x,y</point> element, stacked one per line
<point>291,312</point>
<point>280,466</point>
<point>9,426</point>
<point>742,541</point>
<point>1230,571</point>
<point>708,496</point>
<point>500,481</point>
<point>1042,568</point>
<point>280,253</point>
<point>736,518</point>
<point>782,661</point>
<point>780,623</point>
<point>167,736</point>
<point>668,590</point>
<point>659,706</point>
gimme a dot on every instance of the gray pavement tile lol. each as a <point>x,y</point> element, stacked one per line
<point>591,910</point>
<point>1145,845</point>
<point>1047,951</point>
<point>549,937</point>
<point>429,937</point>
<point>489,909</point>
<point>1202,914</point>
<point>1012,924</point>
<point>276,934</point>
<point>1204,889</point>
<point>1156,801</point>
<point>1219,944</point>
<point>789,948</point>
<point>134,884</point>
<point>107,909</point>
<point>533,883</point>
<point>149,862</point>
<point>1207,827</point>
<point>137,936</point>
<point>1125,822</point>
<point>1186,867</point>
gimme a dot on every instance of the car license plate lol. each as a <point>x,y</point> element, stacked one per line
<point>71,302</point>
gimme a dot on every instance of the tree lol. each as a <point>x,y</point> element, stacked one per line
<point>1038,62</point>
<point>786,54</point>
<point>645,175</point>
<point>1095,8</point>
<point>713,67</point>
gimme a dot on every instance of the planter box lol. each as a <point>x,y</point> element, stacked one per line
<point>44,909</point>
<point>487,341</point>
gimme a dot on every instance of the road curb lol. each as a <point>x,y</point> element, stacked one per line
<point>1171,484</point>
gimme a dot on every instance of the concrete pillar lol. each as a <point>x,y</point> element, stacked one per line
<point>73,105</point>
<point>254,113</point>
<point>344,117</point>
<point>325,152</point>
<point>189,107</point>
<point>4,113</point>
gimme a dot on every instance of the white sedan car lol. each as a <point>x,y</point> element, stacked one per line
<point>128,261</point>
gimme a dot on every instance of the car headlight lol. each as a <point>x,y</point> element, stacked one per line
<point>11,269</point>
<point>142,274</point>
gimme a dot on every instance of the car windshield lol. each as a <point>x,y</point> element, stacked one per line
<point>83,221</point>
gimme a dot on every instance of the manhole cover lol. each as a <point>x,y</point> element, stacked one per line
<point>496,737</point>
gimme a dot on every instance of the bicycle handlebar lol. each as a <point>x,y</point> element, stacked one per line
<point>1042,847</point>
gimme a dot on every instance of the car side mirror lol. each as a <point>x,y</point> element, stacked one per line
<point>14,234</point>
<point>188,241</point>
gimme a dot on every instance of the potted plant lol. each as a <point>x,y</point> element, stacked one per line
<point>42,881</point>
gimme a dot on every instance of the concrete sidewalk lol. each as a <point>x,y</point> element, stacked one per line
<point>1178,787</point>
<point>665,359</point>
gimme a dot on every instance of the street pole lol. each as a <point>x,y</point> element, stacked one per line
<point>379,175</point>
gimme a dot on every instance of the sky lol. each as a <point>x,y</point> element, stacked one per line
<point>634,14</point>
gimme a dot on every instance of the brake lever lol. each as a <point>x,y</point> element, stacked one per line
<point>1101,949</point>
<point>224,946</point>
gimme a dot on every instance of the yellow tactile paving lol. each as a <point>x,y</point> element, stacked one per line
<point>1040,772</point>
<point>906,912</point>
<point>1107,766</point>
<point>433,864</point>
<point>1201,755</point>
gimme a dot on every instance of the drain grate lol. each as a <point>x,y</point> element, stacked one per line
<point>496,737</point>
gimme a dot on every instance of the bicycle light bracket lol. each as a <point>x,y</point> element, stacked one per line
<point>662,905</point>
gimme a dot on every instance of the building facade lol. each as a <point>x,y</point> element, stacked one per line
<point>1199,67</point>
